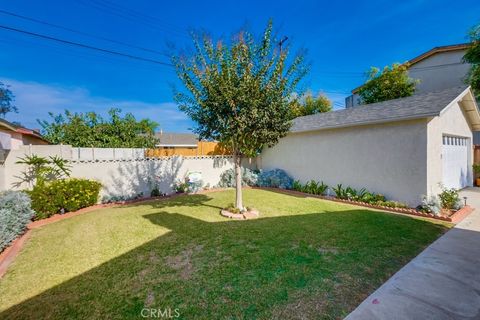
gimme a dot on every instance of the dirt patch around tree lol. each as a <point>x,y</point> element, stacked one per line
<point>245,215</point>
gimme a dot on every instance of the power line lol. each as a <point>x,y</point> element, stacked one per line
<point>85,46</point>
<point>139,14</point>
<point>79,32</point>
<point>332,74</point>
<point>131,15</point>
<point>71,52</point>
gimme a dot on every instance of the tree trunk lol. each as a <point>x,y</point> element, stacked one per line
<point>237,160</point>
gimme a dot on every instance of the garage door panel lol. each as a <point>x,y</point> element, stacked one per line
<point>455,162</point>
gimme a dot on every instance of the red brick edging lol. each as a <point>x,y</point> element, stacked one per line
<point>9,253</point>
<point>454,218</point>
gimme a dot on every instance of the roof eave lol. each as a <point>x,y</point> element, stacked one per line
<point>365,123</point>
<point>467,102</point>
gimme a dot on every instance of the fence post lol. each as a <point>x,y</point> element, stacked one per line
<point>93,153</point>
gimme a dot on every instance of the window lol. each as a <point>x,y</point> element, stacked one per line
<point>454,141</point>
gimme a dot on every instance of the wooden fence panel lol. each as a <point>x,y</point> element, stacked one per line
<point>204,148</point>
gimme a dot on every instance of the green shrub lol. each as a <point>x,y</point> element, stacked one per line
<point>297,186</point>
<point>181,186</point>
<point>276,178</point>
<point>63,196</point>
<point>430,205</point>
<point>368,197</point>
<point>15,213</point>
<point>227,178</point>
<point>155,192</point>
<point>112,198</point>
<point>321,188</point>
<point>340,192</point>
<point>450,199</point>
<point>476,168</point>
<point>351,193</point>
<point>312,187</point>
<point>391,204</point>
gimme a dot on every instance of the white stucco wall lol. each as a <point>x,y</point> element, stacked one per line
<point>2,177</point>
<point>453,122</point>
<point>122,177</point>
<point>440,71</point>
<point>387,158</point>
<point>129,178</point>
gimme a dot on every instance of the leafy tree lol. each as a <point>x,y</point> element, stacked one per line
<point>238,93</point>
<point>6,101</point>
<point>310,104</point>
<point>472,56</point>
<point>391,83</point>
<point>91,130</point>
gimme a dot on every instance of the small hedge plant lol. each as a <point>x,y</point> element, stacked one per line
<point>63,195</point>
<point>276,178</point>
<point>450,199</point>
<point>15,214</point>
<point>312,187</point>
<point>430,205</point>
<point>227,178</point>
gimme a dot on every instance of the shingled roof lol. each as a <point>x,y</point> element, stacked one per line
<point>170,139</point>
<point>19,129</point>
<point>418,106</point>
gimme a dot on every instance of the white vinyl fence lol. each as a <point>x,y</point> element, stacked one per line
<point>107,154</point>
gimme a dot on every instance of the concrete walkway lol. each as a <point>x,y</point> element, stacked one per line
<point>443,282</point>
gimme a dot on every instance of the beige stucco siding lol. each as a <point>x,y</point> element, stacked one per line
<point>440,71</point>
<point>385,158</point>
<point>452,121</point>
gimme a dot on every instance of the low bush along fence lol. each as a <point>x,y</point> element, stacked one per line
<point>15,214</point>
<point>64,195</point>
<point>19,208</point>
<point>444,204</point>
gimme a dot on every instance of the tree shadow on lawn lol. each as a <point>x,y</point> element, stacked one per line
<point>319,265</point>
<point>177,200</point>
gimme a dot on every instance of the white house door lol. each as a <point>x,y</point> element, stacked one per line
<point>455,162</point>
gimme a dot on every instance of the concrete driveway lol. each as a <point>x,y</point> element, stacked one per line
<point>443,282</point>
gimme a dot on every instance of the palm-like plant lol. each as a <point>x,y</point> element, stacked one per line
<point>41,169</point>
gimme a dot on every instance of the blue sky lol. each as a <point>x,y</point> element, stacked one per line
<point>343,40</point>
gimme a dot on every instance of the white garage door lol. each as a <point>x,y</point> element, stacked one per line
<point>455,162</point>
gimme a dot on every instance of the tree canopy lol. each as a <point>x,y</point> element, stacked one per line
<point>6,101</point>
<point>391,83</point>
<point>310,104</point>
<point>238,92</point>
<point>472,56</point>
<point>91,130</point>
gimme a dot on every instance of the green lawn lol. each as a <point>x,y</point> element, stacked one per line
<point>304,258</point>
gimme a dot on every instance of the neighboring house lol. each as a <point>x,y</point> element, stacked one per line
<point>402,148</point>
<point>13,136</point>
<point>170,140</point>
<point>184,144</point>
<point>437,69</point>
